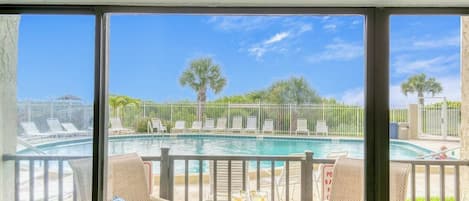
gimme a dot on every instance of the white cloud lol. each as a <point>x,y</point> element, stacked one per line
<point>277,38</point>
<point>338,50</point>
<point>406,65</point>
<point>330,27</point>
<point>451,91</point>
<point>425,43</point>
<point>258,52</point>
<point>241,23</point>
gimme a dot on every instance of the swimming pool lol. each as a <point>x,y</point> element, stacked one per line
<point>217,144</point>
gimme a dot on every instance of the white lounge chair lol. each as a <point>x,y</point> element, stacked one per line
<point>179,126</point>
<point>155,124</point>
<point>196,126</point>
<point>321,127</point>
<point>128,178</point>
<point>268,126</point>
<point>221,124</point>
<point>237,124</point>
<point>251,124</point>
<point>117,128</point>
<point>302,126</point>
<point>209,124</point>
<point>70,127</point>
<point>56,127</point>
<point>348,176</point>
<point>222,178</point>
<point>30,130</point>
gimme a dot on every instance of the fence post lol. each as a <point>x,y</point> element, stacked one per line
<point>228,118</point>
<point>444,119</point>
<point>171,113</point>
<point>307,177</point>
<point>165,177</point>
<point>290,128</point>
<point>259,116</point>
<point>144,110</point>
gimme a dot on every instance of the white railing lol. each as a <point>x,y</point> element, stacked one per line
<point>445,169</point>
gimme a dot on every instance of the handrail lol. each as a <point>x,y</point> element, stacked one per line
<point>7,157</point>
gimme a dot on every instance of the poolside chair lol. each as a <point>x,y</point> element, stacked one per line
<point>302,126</point>
<point>321,127</point>
<point>268,126</point>
<point>70,127</point>
<point>55,127</point>
<point>117,128</point>
<point>179,126</point>
<point>222,178</point>
<point>221,124</point>
<point>128,178</point>
<point>348,176</point>
<point>237,124</point>
<point>196,126</point>
<point>155,123</point>
<point>251,124</point>
<point>209,124</point>
<point>30,130</point>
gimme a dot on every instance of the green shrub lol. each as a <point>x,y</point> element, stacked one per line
<point>433,199</point>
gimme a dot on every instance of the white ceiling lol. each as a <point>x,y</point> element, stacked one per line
<point>254,3</point>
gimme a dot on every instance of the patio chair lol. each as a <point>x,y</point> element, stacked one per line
<point>128,178</point>
<point>196,126</point>
<point>348,176</point>
<point>251,124</point>
<point>117,128</point>
<point>321,127</point>
<point>70,127</point>
<point>30,130</point>
<point>268,126</point>
<point>56,127</point>
<point>155,123</point>
<point>222,178</point>
<point>221,124</point>
<point>302,126</point>
<point>237,124</point>
<point>179,126</point>
<point>209,124</point>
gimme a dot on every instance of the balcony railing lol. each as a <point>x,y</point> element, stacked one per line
<point>167,174</point>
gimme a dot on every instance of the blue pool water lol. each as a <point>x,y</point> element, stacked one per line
<point>147,145</point>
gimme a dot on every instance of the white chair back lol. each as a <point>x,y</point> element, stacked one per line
<point>302,124</point>
<point>251,123</point>
<point>70,127</point>
<point>321,126</point>
<point>268,125</point>
<point>196,125</point>
<point>54,125</point>
<point>237,122</point>
<point>221,123</point>
<point>180,125</point>
<point>209,123</point>
<point>29,128</point>
<point>222,177</point>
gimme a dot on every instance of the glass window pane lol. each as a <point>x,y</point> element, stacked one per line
<point>46,115</point>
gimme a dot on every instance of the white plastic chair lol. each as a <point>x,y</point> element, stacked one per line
<point>302,126</point>
<point>30,130</point>
<point>237,124</point>
<point>321,127</point>
<point>196,126</point>
<point>268,126</point>
<point>209,124</point>
<point>179,126</point>
<point>251,125</point>
<point>222,178</point>
<point>221,124</point>
<point>70,127</point>
<point>116,126</point>
<point>155,123</point>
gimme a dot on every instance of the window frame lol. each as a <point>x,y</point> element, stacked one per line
<point>376,32</point>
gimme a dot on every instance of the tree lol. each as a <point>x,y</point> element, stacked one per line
<point>292,91</point>
<point>117,103</point>
<point>421,85</point>
<point>201,75</point>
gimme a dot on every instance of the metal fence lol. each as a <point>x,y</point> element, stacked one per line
<point>341,119</point>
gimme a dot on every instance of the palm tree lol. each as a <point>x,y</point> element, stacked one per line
<point>421,85</point>
<point>118,103</point>
<point>201,75</point>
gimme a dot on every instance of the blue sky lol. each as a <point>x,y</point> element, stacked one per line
<point>149,52</point>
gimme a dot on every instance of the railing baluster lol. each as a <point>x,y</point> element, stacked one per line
<point>46,180</point>
<point>31,180</point>
<point>258,174</point>
<point>17,180</point>
<point>244,175</point>
<point>201,179</point>
<point>413,183</point>
<point>215,180</point>
<point>272,180</point>
<point>229,180</point>
<point>442,182</point>
<point>61,180</point>
<point>186,180</point>
<point>427,182</point>
<point>287,180</point>
<point>456,183</point>
<point>74,192</point>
